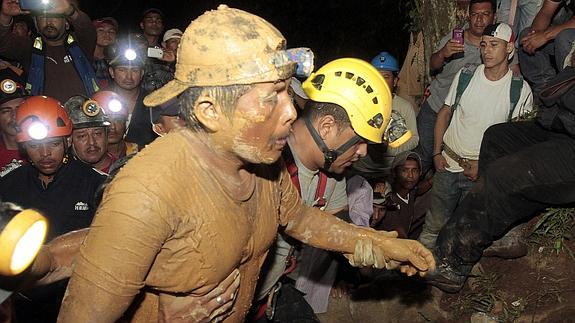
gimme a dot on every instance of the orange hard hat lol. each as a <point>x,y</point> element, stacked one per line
<point>40,117</point>
<point>111,103</point>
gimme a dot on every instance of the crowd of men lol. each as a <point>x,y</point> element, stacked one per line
<point>166,144</point>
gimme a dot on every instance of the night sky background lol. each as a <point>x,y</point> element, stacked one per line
<point>333,29</point>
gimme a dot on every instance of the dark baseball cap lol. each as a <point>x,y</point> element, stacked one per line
<point>400,159</point>
<point>170,108</point>
<point>106,20</point>
<point>152,10</point>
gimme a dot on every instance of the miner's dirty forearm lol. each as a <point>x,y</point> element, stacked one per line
<point>55,260</point>
<point>325,231</point>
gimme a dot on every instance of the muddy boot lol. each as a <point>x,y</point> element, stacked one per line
<point>510,246</point>
<point>446,277</point>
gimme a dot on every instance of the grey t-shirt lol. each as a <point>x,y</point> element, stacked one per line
<point>336,197</point>
<point>440,85</point>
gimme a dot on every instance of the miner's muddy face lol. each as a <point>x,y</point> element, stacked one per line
<point>262,122</point>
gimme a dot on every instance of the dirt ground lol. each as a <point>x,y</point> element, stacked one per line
<point>539,287</point>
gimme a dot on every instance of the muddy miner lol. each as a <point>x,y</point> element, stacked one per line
<point>203,201</point>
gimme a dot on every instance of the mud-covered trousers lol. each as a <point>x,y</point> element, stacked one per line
<point>523,169</point>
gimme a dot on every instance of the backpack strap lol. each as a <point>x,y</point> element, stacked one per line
<point>319,198</point>
<point>464,78</point>
<point>515,93</point>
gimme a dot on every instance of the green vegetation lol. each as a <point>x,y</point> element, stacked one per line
<point>485,296</point>
<point>553,228</point>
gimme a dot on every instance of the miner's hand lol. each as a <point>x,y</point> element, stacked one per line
<point>408,255</point>
<point>212,307</point>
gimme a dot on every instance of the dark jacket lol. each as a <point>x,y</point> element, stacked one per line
<point>67,202</point>
<point>558,112</point>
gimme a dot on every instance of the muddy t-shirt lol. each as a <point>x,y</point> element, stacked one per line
<point>166,223</point>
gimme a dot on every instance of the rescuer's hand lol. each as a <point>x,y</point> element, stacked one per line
<point>212,307</point>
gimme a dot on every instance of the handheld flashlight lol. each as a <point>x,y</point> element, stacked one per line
<point>21,237</point>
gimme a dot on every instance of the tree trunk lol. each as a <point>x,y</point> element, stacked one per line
<point>439,17</point>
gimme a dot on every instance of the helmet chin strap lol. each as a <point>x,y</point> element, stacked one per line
<point>329,155</point>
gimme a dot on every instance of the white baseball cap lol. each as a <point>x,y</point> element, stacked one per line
<point>172,33</point>
<point>502,31</point>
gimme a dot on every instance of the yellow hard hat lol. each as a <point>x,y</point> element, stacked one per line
<point>359,89</point>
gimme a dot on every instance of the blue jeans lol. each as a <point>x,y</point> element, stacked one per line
<point>425,126</point>
<point>447,192</point>
<point>539,68</point>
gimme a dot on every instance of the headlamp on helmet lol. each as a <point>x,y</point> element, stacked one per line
<point>85,112</point>
<point>127,51</point>
<point>130,54</point>
<point>37,130</point>
<point>91,108</point>
<point>110,103</point>
<point>304,59</point>
<point>115,105</point>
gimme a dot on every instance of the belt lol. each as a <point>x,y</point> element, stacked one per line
<point>463,162</point>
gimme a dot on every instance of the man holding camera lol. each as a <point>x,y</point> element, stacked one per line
<point>58,63</point>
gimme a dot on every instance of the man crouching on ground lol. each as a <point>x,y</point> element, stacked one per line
<point>204,200</point>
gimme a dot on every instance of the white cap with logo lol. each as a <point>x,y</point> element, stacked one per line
<point>502,31</point>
